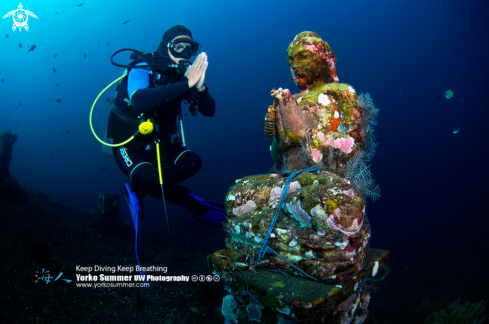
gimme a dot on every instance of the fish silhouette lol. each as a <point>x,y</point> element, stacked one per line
<point>6,35</point>
<point>55,12</point>
<point>55,55</point>
<point>108,99</point>
<point>85,55</point>
<point>125,22</point>
<point>54,70</point>
<point>2,80</point>
<point>80,4</point>
<point>58,100</point>
<point>32,48</point>
<point>107,42</point>
<point>20,45</point>
<point>57,84</point>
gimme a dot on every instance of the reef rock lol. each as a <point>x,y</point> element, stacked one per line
<point>7,140</point>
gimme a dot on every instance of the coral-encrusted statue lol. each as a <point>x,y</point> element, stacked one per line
<point>326,124</point>
<point>319,231</point>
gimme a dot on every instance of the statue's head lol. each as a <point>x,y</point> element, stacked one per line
<point>311,60</point>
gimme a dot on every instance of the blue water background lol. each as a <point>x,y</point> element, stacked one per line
<point>406,54</point>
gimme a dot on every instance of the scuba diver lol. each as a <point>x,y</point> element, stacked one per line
<point>152,91</point>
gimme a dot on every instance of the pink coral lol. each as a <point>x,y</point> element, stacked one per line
<point>349,193</point>
<point>276,192</point>
<point>347,304</point>
<point>243,209</point>
<point>344,144</point>
<point>275,195</point>
<point>353,229</point>
<point>316,156</point>
<point>294,186</point>
<point>321,137</point>
<point>332,223</point>
<point>329,141</point>
<point>312,48</point>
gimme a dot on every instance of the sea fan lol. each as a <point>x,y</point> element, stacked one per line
<point>356,169</point>
<point>360,176</point>
<point>369,117</point>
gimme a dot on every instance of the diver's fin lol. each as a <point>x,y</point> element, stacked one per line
<point>215,214</point>
<point>135,208</point>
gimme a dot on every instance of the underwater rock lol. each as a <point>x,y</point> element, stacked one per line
<point>7,141</point>
<point>9,187</point>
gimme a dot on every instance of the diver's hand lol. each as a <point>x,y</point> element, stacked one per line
<point>194,72</point>
<point>200,85</point>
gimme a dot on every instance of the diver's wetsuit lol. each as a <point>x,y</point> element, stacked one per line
<point>138,158</point>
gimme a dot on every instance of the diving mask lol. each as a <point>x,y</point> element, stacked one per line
<point>183,48</point>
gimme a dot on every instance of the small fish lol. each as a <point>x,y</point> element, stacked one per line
<point>107,43</point>
<point>85,55</point>
<point>55,55</point>
<point>58,100</point>
<point>55,12</point>
<point>2,80</point>
<point>20,103</point>
<point>6,35</point>
<point>449,94</point>
<point>98,43</point>
<point>456,129</point>
<point>68,132</point>
<point>54,70</point>
<point>80,4</point>
<point>194,309</point>
<point>125,22</point>
<point>103,169</point>
<point>108,99</point>
<point>20,45</point>
<point>32,48</point>
<point>57,84</point>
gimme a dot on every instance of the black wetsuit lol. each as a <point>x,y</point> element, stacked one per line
<point>138,159</point>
